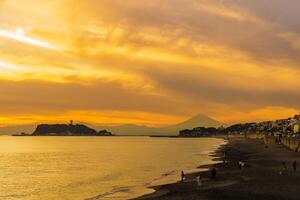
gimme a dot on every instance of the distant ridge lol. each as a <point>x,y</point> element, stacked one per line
<point>196,121</point>
<point>9,130</point>
<point>132,129</point>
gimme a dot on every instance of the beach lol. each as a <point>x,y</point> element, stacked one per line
<point>263,176</point>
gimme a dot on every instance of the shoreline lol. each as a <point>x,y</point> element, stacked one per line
<point>164,189</point>
<point>263,176</point>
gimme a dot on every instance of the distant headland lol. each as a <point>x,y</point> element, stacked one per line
<point>66,130</point>
<point>281,127</point>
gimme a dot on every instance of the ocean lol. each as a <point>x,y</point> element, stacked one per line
<point>94,168</point>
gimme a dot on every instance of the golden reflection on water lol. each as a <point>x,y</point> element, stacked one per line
<point>86,167</point>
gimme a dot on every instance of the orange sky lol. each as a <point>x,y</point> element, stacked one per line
<point>148,62</point>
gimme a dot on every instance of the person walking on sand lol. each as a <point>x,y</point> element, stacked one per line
<point>199,181</point>
<point>213,173</point>
<point>284,167</point>
<point>297,148</point>
<point>241,164</point>
<point>295,166</point>
<point>182,176</point>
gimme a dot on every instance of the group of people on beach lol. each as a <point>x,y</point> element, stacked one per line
<point>241,166</point>
<point>285,168</point>
<point>199,178</point>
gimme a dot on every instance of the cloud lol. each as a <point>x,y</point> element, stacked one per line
<point>21,37</point>
<point>34,97</point>
<point>244,93</point>
<point>169,57</point>
<point>230,24</point>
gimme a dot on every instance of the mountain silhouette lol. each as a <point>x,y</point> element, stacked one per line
<point>197,121</point>
<point>9,130</point>
<point>132,129</point>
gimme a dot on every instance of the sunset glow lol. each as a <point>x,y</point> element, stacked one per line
<point>19,36</point>
<point>147,62</point>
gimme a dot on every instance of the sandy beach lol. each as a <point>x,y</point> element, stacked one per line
<point>263,176</point>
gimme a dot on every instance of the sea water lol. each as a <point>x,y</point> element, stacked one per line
<point>95,167</point>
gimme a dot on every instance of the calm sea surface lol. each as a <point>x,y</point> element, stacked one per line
<point>95,167</point>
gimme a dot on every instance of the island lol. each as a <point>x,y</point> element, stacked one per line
<point>66,130</point>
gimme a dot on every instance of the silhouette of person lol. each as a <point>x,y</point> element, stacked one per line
<point>224,157</point>
<point>297,148</point>
<point>199,181</point>
<point>241,164</point>
<point>213,173</point>
<point>284,167</point>
<point>295,166</point>
<point>182,176</point>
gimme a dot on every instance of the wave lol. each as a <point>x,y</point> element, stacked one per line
<point>128,189</point>
<point>111,192</point>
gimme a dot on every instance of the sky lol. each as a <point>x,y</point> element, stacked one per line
<point>147,62</point>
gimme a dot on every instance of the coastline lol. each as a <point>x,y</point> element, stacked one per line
<point>263,176</point>
<point>165,189</point>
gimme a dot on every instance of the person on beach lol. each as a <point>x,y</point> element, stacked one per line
<point>213,173</point>
<point>284,167</point>
<point>199,181</point>
<point>295,166</point>
<point>241,164</point>
<point>182,176</point>
<point>279,139</point>
<point>297,148</point>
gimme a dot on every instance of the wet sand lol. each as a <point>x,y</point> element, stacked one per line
<point>259,179</point>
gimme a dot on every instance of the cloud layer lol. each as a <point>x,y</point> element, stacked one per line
<point>235,60</point>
